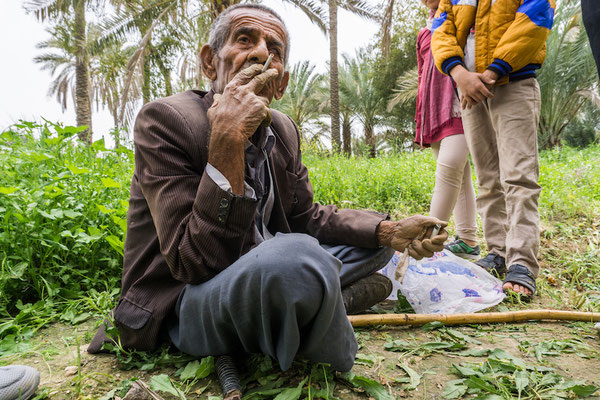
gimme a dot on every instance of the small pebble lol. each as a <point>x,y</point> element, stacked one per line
<point>71,370</point>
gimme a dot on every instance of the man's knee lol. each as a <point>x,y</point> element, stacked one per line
<point>291,257</point>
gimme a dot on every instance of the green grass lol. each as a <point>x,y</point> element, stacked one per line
<point>63,211</point>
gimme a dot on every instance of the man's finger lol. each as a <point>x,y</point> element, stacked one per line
<point>417,251</point>
<point>245,75</point>
<point>259,81</point>
<point>429,245</point>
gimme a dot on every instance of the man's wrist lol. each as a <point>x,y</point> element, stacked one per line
<point>385,233</point>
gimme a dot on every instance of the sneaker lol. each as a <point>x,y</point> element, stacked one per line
<point>492,263</point>
<point>366,292</point>
<point>459,248</point>
<point>18,382</point>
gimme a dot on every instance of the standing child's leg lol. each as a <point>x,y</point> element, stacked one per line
<point>465,210</point>
<point>482,141</point>
<point>515,111</point>
<point>454,191</point>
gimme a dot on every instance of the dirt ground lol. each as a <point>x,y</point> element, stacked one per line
<point>56,354</point>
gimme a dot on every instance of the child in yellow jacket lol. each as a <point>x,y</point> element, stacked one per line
<point>492,49</point>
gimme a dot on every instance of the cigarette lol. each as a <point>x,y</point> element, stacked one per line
<point>264,68</point>
<point>436,230</point>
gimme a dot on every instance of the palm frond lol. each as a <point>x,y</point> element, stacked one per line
<point>407,86</point>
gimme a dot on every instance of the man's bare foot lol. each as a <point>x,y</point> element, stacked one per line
<point>517,288</point>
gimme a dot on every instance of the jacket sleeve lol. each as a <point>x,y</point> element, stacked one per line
<point>200,227</point>
<point>447,53</point>
<point>525,36</point>
<point>329,224</point>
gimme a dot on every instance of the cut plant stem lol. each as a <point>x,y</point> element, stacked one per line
<point>472,318</point>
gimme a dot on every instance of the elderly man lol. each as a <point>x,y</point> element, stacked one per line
<point>226,251</point>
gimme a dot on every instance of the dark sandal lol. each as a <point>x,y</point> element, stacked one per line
<point>492,263</point>
<point>521,276</point>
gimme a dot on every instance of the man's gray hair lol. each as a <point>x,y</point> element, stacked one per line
<point>219,30</point>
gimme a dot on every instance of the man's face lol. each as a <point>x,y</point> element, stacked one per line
<point>253,35</point>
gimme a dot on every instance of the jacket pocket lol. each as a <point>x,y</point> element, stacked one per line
<point>131,315</point>
<point>288,194</point>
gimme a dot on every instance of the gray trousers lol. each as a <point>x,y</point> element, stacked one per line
<point>283,298</point>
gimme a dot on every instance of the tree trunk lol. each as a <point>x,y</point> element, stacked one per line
<point>347,135</point>
<point>370,140</point>
<point>166,73</point>
<point>333,78</point>
<point>146,74</point>
<point>83,107</point>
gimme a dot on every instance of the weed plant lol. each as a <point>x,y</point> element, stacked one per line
<point>63,209</point>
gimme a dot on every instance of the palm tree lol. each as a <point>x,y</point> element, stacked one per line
<point>301,100</point>
<point>356,7</point>
<point>56,8</point>
<point>148,20</point>
<point>568,78</point>
<point>360,95</point>
<point>59,59</point>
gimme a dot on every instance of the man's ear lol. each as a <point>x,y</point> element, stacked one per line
<point>207,57</point>
<point>282,85</point>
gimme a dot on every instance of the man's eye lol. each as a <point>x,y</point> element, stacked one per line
<point>243,39</point>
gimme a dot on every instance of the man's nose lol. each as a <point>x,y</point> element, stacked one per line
<point>259,53</point>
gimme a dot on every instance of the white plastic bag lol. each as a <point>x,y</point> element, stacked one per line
<point>445,284</point>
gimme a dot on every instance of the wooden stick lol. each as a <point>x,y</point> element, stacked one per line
<point>472,318</point>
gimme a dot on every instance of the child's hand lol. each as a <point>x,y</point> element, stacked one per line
<point>473,86</point>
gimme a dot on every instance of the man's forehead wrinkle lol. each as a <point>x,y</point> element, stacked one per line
<point>265,21</point>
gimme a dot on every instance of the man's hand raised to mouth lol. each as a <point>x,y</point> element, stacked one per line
<point>234,117</point>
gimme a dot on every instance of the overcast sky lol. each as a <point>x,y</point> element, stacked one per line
<point>24,86</point>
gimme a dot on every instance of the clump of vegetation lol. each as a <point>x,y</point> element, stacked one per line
<point>63,207</point>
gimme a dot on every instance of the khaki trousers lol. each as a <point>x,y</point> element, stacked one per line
<point>501,133</point>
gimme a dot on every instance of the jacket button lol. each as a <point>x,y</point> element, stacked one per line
<point>224,203</point>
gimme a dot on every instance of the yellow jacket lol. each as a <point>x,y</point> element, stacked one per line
<point>510,35</point>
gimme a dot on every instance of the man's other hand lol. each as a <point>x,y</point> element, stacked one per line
<point>413,233</point>
<point>237,113</point>
<point>473,87</point>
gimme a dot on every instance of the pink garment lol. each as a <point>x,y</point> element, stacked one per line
<point>437,115</point>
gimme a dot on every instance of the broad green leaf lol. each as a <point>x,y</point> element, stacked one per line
<point>475,382</point>
<point>163,383</point>
<point>7,190</point>
<point>206,367</point>
<point>104,209</point>
<point>18,270</point>
<point>116,243</point>
<point>367,359</point>
<point>521,381</point>
<point>189,372</point>
<point>454,389</point>
<point>461,336</point>
<point>289,394</point>
<point>109,183</point>
<point>584,390</point>
<point>72,214</point>
<point>77,171</point>
<point>465,371</point>
<point>397,345</point>
<point>475,353</point>
<point>430,326</point>
<point>373,388</point>
<point>415,377</point>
